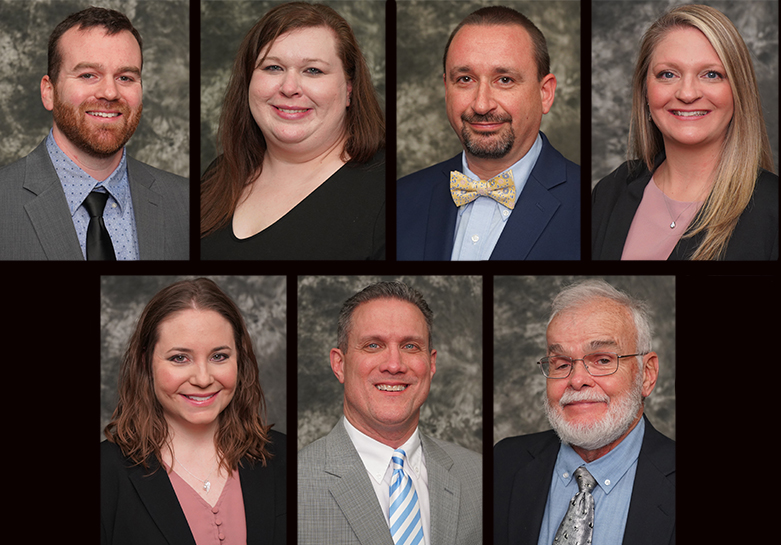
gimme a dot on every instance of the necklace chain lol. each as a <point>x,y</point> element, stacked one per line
<point>206,484</point>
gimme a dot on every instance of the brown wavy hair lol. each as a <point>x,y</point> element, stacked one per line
<point>138,426</point>
<point>242,141</point>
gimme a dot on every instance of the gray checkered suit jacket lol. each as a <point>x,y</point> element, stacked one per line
<point>337,503</point>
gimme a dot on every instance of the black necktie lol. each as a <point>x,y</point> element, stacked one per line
<point>578,524</point>
<point>99,245</point>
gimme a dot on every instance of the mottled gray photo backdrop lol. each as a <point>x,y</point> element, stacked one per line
<point>224,24</point>
<point>453,411</point>
<point>261,299</point>
<point>163,136</point>
<point>423,133</point>
<point>618,26</point>
<point>521,312</point>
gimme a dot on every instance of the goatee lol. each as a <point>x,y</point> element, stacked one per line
<point>98,140</point>
<point>487,145</point>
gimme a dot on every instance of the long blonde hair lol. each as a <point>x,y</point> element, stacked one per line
<point>746,147</point>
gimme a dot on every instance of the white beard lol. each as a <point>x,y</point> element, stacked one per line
<point>621,413</point>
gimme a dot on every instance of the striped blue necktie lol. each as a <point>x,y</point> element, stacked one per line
<point>405,524</point>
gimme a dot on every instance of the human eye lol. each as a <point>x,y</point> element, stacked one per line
<point>559,364</point>
<point>665,75</point>
<point>178,358</point>
<point>602,359</point>
<point>464,79</point>
<point>312,71</point>
<point>220,357</point>
<point>506,80</point>
<point>87,76</point>
<point>272,68</point>
<point>713,75</point>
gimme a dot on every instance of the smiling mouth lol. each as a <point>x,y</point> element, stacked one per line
<point>200,398</point>
<point>389,388</point>
<point>292,111</point>
<point>698,113</point>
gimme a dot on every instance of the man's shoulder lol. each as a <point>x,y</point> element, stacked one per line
<point>169,180</point>
<point>512,447</point>
<point>457,452</point>
<point>16,170</point>
<point>425,178</point>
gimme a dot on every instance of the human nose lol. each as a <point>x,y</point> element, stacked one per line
<point>108,89</point>
<point>579,375</point>
<point>484,100</point>
<point>202,376</point>
<point>689,89</point>
<point>290,84</point>
<point>393,362</point>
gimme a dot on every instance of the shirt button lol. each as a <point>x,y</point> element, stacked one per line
<point>215,510</point>
<point>607,482</point>
<point>505,213</point>
<point>475,238</point>
<point>565,475</point>
<point>113,205</point>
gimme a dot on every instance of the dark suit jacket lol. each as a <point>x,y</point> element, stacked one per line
<point>617,196</point>
<point>137,508</point>
<point>545,223</point>
<point>35,223</point>
<point>523,468</point>
<point>337,503</point>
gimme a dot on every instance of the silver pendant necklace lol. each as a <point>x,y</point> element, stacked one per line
<point>674,221</point>
<point>206,484</point>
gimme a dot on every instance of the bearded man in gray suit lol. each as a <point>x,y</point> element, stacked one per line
<point>350,481</point>
<point>78,195</point>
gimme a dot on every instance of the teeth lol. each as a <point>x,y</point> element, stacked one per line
<point>292,111</point>
<point>388,388</point>
<point>689,114</point>
<point>104,114</point>
<point>196,398</point>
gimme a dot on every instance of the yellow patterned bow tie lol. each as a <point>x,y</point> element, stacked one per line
<point>500,188</point>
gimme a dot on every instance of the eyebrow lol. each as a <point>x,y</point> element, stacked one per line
<point>496,71</point>
<point>592,346</point>
<point>102,68</point>
<point>184,349</point>
<point>305,61</point>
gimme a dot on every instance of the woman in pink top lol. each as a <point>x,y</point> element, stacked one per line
<point>699,184</point>
<point>189,458</point>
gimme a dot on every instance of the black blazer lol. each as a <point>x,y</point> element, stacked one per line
<point>136,508</point>
<point>523,468</point>
<point>615,199</point>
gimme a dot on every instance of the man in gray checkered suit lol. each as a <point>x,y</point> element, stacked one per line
<point>375,478</point>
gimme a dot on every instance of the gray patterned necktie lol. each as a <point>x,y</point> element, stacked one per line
<point>578,523</point>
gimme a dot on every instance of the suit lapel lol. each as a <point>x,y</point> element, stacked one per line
<point>534,209</point>
<point>531,486</point>
<point>651,517</point>
<point>444,493</point>
<point>49,212</point>
<point>352,490</point>
<point>257,487</point>
<point>158,496</point>
<point>441,225</point>
<point>148,209</point>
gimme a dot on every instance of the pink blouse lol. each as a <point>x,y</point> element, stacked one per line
<point>650,236</point>
<point>223,524</point>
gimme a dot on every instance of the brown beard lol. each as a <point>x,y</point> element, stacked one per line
<point>94,140</point>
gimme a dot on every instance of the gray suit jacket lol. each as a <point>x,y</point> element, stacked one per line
<point>35,223</point>
<point>337,503</point>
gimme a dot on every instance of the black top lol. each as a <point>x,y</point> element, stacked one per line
<point>139,506</point>
<point>343,219</point>
<point>617,196</point>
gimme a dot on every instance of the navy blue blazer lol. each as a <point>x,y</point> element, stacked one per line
<point>140,508</point>
<point>523,467</point>
<point>544,225</point>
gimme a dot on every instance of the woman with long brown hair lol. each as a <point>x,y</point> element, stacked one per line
<point>699,182</point>
<point>301,175</point>
<point>189,458</point>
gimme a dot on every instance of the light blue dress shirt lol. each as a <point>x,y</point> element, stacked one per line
<point>118,215</point>
<point>615,476</point>
<point>480,223</point>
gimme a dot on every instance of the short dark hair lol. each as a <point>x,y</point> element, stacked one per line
<point>111,20</point>
<point>501,15</point>
<point>381,290</point>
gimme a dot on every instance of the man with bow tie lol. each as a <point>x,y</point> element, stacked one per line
<point>509,195</point>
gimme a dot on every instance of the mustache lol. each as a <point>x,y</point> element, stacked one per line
<point>117,105</point>
<point>572,396</point>
<point>485,118</point>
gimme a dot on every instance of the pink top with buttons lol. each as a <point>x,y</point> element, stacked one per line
<point>223,524</point>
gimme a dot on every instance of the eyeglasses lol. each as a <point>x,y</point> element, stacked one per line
<point>598,364</point>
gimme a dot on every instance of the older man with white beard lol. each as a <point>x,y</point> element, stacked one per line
<point>603,475</point>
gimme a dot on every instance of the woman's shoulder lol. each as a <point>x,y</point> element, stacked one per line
<point>767,185</point>
<point>623,174</point>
